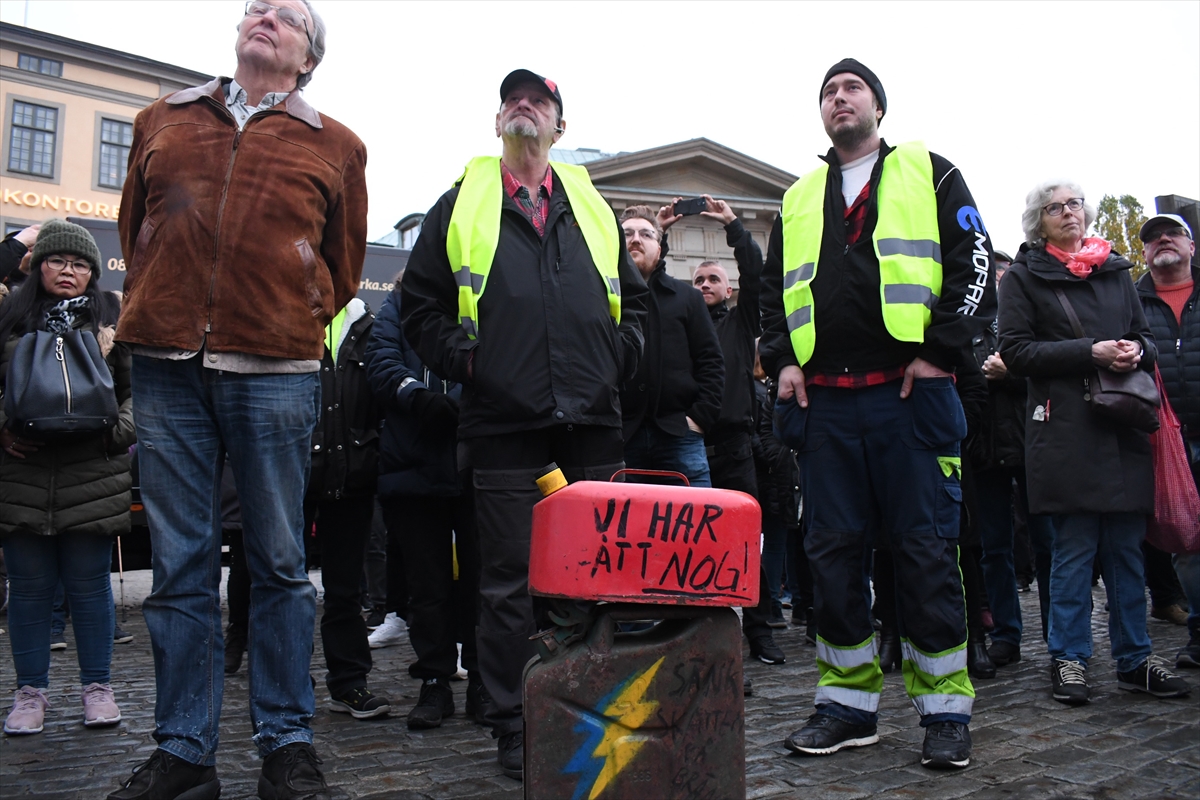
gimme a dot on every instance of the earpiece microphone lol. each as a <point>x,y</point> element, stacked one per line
<point>560,130</point>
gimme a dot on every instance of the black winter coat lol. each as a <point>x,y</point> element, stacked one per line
<point>417,450</point>
<point>737,328</point>
<point>1000,441</point>
<point>548,352</point>
<point>774,462</point>
<point>681,373</point>
<point>1179,350</point>
<point>1075,461</point>
<point>345,442</point>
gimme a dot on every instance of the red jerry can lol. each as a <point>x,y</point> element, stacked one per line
<point>646,543</point>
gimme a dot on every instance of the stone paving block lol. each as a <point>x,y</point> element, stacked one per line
<point>1085,772</point>
<point>1057,756</point>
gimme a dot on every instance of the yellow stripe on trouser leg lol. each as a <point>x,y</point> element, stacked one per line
<point>937,683</point>
<point>850,676</point>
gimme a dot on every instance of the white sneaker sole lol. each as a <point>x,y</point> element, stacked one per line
<point>824,751</point>
<point>341,708</point>
<point>100,722</point>
<point>931,762</point>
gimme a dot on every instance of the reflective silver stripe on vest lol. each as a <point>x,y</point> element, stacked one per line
<point>910,293</point>
<point>917,248</point>
<point>469,326</point>
<point>464,277</point>
<point>804,272</point>
<point>799,317</point>
<point>615,283</point>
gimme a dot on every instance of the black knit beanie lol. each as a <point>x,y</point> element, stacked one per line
<point>854,67</point>
<point>59,237</point>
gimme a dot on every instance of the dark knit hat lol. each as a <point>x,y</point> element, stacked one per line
<point>59,237</point>
<point>854,67</point>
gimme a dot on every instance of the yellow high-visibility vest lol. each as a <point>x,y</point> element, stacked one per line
<point>474,233</point>
<point>906,242</point>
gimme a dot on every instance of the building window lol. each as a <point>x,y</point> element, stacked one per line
<point>115,138</point>
<point>45,66</point>
<point>31,147</point>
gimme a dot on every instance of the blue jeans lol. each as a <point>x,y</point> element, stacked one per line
<point>650,448</point>
<point>1117,539</point>
<point>1187,567</point>
<point>36,566</point>
<point>993,493</point>
<point>189,420</point>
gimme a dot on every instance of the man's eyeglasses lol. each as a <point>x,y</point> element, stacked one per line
<point>1174,233</point>
<point>288,16</point>
<point>649,234</point>
<point>59,264</point>
<point>1054,209</point>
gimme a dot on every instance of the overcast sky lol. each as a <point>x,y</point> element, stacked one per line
<point>1104,93</point>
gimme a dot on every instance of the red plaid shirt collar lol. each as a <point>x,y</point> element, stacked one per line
<point>535,209</point>
<point>856,215</point>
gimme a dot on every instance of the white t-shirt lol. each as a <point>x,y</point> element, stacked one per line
<point>855,175</point>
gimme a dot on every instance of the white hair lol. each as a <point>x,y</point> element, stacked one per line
<point>316,47</point>
<point>1039,196</point>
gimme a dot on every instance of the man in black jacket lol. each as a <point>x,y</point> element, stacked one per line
<point>878,275</point>
<point>676,394</point>
<point>539,317</point>
<point>1169,292</point>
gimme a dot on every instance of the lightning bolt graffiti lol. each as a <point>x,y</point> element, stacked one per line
<point>610,734</point>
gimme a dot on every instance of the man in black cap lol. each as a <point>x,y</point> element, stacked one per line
<point>520,288</point>
<point>878,275</point>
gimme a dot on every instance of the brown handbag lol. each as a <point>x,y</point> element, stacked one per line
<point>1126,398</point>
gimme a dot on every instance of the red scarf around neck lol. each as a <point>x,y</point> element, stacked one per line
<point>1093,253</point>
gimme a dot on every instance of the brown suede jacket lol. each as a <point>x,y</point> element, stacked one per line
<point>252,238</point>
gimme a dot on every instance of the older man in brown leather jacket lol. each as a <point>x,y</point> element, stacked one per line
<point>243,224</point>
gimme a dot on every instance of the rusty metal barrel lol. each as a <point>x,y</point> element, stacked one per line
<point>657,711</point>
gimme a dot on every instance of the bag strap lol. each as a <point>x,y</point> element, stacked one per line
<point>1071,316</point>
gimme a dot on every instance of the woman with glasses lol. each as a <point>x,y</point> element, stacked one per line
<point>1092,474</point>
<point>61,502</point>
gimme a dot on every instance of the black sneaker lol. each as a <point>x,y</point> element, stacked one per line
<point>291,773</point>
<point>58,641</point>
<point>376,617</point>
<point>1190,655</point>
<point>511,755</point>
<point>360,703</point>
<point>947,746</point>
<point>763,648</point>
<point>1153,677</point>
<point>777,622</point>
<point>1004,653</point>
<point>823,735</point>
<point>436,701</point>
<point>1070,682</point>
<point>235,647</point>
<point>477,700</point>
<point>120,636</point>
<point>167,777</point>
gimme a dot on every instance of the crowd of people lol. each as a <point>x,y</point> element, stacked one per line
<point>916,463</point>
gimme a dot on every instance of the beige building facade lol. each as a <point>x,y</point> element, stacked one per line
<point>68,122</point>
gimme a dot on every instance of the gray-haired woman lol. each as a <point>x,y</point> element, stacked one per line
<point>1094,475</point>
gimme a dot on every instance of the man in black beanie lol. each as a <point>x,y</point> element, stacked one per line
<point>878,275</point>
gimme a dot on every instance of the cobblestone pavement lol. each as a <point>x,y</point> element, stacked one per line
<point>1026,745</point>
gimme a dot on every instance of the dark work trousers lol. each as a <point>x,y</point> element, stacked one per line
<point>342,530</point>
<point>732,465</point>
<point>1161,579</point>
<point>505,469</point>
<point>441,610</point>
<point>375,567</point>
<point>873,465</point>
<point>1040,529</point>
<point>397,577</point>
<point>799,574</point>
<point>994,493</point>
<point>237,587</point>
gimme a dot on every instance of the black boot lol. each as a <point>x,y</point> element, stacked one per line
<point>889,649</point>
<point>979,663</point>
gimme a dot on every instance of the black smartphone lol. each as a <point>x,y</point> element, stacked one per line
<point>687,208</point>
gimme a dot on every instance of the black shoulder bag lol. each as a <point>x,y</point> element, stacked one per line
<point>1126,398</point>
<point>59,387</point>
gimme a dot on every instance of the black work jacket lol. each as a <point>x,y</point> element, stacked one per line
<point>1000,441</point>
<point>1076,462</point>
<point>774,462</point>
<point>682,372</point>
<point>1179,350</point>
<point>848,310</point>
<point>345,443</point>
<point>737,330</point>
<point>548,352</point>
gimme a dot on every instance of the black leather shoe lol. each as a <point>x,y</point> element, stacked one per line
<point>292,773</point>
<point>235,647</point>
<point>978,663</point>
<point>167,777</point>
<point>823,735</point>
<point>511,755</point>
<point>435,702</point>
<point>1004,653</point>
<point>947,746</point>
<point>763,648</point>
<point>889,649</point>
<point>477,699</point>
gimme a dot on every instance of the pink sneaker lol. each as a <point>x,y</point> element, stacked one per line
<point>99,708</point>
<point>28,711</point>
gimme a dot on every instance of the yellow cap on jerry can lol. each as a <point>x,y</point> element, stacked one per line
<point>551,479</point>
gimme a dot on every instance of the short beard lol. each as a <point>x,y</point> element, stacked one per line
<point>1166,260</point>
<point>850,138</point>
<point>521,126</point>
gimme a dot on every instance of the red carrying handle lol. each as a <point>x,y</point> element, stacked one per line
<point>660,473</point>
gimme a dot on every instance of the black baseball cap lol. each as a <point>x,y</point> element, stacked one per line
<point>856,68</point>
<point>519,76</point>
